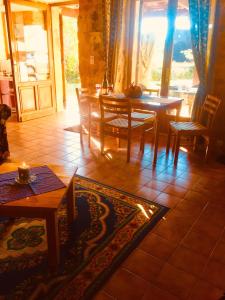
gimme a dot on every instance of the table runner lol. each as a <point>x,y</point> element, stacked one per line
<point>46,181</point>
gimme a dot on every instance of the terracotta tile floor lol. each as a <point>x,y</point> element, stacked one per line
<point>183,257</point>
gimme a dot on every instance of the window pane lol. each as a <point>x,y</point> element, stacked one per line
<point>184,79</point>
<point>153,34</point>
<point>30,31</point>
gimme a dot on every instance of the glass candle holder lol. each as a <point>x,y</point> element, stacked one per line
<point>24,172</point>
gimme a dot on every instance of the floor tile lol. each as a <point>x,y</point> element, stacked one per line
<point>125,286</point>
<point>103,296</point>
<point>175,281</point>
<point>205,291</point>
<point>143,264</point>
<point>155,293</point>
<point>188,260</point>
<point>214,273</point>
<point>157,246</point>
<point>199,242</point>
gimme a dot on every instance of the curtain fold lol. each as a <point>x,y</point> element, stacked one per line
<point>199,17</point>
<point>121,34</point>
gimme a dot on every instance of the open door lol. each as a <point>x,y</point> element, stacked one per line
<point>31,51</point>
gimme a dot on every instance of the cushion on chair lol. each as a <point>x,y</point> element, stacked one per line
<point>187,126</point>
<point>123,123</point>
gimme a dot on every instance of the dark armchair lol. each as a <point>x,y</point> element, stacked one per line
<point>5,113</point>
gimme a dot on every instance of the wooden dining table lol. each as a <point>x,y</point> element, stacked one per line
<point>158,104</point>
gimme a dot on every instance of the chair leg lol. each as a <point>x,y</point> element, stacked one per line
<point>174,143</point>
<point>194,143</point>
<point>154,134</point>
<point>209,149</point>
<point>128,147</point>
<point>119,142</point>
<point>89,132</point>
<point>81,134</point>
<point>177,147</point>
<point>102,139</point>
<point>168,142</point>
<point>142,143</point>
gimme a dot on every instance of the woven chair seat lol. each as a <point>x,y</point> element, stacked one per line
<point>107,116</point>
<point>123,123</point>
<point>142,117</point>
<point>187,127</point>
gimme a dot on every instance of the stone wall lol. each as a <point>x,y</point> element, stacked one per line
<point>91,46</point>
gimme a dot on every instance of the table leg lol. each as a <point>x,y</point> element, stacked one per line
<point>156,140</point>
<point>71,201</point>
<point>53,239</point>
<point>178,112</point>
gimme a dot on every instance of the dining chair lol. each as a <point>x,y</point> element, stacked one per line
<point>119,127</point>
<point>89,112</point>
<point>146,116</point>
<point>203,127</point>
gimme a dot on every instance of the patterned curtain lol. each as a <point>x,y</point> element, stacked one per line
<point>199,16</point>
<point>121,33</point>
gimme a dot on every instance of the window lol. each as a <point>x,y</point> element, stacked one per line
<point>183,79</point>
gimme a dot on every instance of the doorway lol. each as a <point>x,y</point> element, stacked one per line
<point>7,92</point>
<point>69,52</point>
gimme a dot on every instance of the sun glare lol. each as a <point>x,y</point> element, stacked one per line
<point>143,210</point>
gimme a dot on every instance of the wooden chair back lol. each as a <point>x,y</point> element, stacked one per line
<point>209,110</point>
<point>151,91</point>
<point>115,106</point>
<point>83,102</point>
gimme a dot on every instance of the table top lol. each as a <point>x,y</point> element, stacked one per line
<point>147,101</point>
<point>50,200</point>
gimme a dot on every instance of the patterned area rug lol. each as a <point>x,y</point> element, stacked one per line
<point>109,223</point>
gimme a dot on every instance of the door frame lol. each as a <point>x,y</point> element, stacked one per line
<point>14,60</point>
<point>71,13</point>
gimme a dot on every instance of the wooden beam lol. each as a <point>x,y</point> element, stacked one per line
<point>62,3</point>
<point>6,39</point>
<point>30,3</point>
<point>70,12</point>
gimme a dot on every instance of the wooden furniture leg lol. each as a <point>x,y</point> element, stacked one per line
<point>102,138</point>
<point>156,139</point>
<point>89,131</point>
<point>128,146</point>
<point>168,142</point>
<point>71,202</point>
<point>174,143</point>
<point>81,133</point>
<point>142,144</point>
<point>209,149</point>
<point>53,239</point>
<point>178,112</point>
<point>177,147</point>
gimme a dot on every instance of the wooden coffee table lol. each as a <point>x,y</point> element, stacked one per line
<point>44,206</point>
